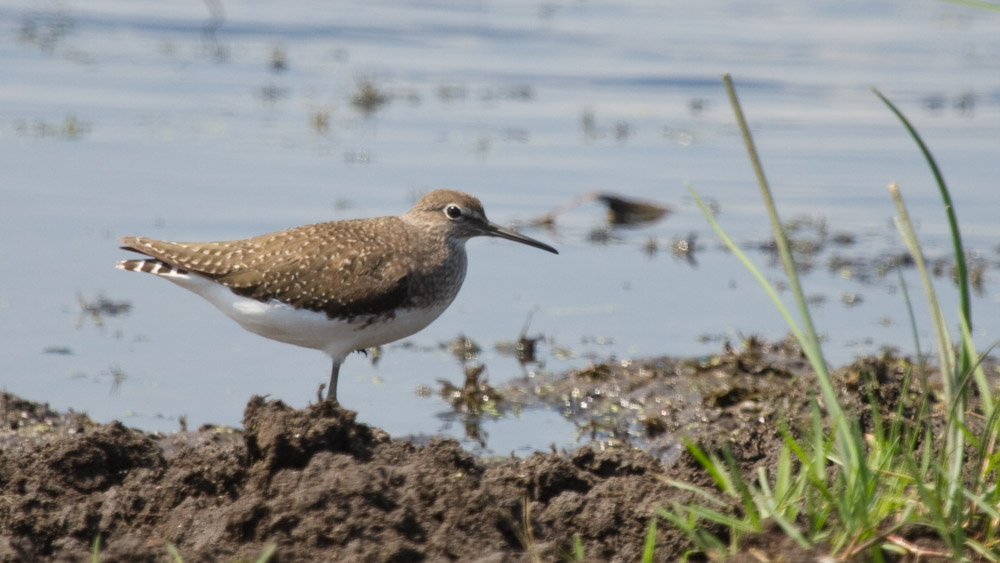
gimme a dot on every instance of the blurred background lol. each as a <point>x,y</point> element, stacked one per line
<point>226,119</point>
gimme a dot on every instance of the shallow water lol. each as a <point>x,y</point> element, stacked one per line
<point>162,120</point>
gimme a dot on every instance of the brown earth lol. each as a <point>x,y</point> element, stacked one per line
<point>319,486</point>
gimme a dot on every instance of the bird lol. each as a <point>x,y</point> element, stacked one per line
<point>338,286</point>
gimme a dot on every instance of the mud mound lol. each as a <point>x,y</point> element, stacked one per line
<point>319,487</point>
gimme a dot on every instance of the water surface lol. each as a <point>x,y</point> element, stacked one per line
<point>175,121</point>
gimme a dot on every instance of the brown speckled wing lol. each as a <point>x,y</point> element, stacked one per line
<point>317,267</point>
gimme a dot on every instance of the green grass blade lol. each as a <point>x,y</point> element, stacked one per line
<point>954,398</point>
<point>783,475</point>
<point>735,249</point>
<point>784,250</point>
<point>578,552</point>
<point>713,466</point>
<point>983,504</point>
<point>174,553</point>
<point>750,508</point>
<point>905,227</point>
<point>765,487</point>
<point>696,490</point>
<point>921,367</point>
<point>734,524</point>
<point>647,550</point>
<point>703,540</point>
<point>984,552</point>
<point>985,393</point>
<point>267,554</point>
<point>981,4</point>
<point>956,236</point>
<point>789,529</point>
<point>850,451</point>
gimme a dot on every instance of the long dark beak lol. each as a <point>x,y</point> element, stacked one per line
<point>494,230</point>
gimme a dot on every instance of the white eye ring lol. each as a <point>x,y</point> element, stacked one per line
<point>453,211</point>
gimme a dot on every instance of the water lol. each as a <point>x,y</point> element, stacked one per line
<point>169,121</point>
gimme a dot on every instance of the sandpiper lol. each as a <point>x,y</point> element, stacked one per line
<point>338,286</point>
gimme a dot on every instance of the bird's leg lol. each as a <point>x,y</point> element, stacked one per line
<point>331,393</point>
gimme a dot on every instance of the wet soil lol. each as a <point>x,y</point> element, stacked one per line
<point>318,486</point>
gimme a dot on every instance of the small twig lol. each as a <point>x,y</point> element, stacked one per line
<point>916,549</point>
<point>528,532</point>
<point>853,550</point>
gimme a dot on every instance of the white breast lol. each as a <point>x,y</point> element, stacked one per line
<point>310,329</point>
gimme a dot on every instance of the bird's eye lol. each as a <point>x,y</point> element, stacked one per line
<point>453,211</point>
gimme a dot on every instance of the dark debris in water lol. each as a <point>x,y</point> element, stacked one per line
<point>621,211</point>
<point>46,29</point>
<point>655,403</point>
<point>525,347</point>
<point>476,396</point>
<point>71,127</point>
<point>464,349</point>
<point>368,98</point>
<point>627,211</point>
<point>100,308</point>
<point>278,61</point>
<point>807,237</point>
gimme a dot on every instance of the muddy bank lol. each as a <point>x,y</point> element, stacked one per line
<point>319,486</point>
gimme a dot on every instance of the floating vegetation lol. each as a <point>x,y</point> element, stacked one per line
<point>475,396</point>
<point>473,400</point>
<point>651,247</point>
<point>69,128</point>
<point>851,299</point>
<point>117,378</point>
<point>450,93</point>
<point>100,308</point>
<point>320,121</point>
<point>518,92</point>
<point>279,59</point>
<point>463,348</point>
<point>524,349</point>
<point>46,30</point>
<point>212,47</point>
<point>963,103</point>
<point>844,238</point>
<point>620,131</point>
<point>807,237</point>
<point>601,235</point>
<point>272,94</point>
<point>367,98</point>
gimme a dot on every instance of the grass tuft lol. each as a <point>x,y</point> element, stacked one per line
<point>862,493</point>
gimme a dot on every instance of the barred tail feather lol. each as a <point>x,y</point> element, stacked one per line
<point>150,266</point>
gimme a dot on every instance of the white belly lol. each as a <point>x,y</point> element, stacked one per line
<point>309,329</point>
